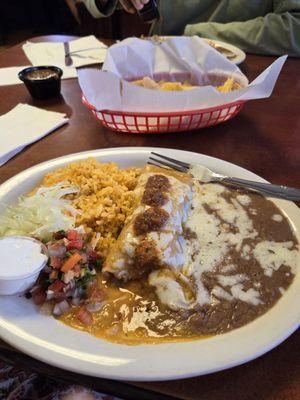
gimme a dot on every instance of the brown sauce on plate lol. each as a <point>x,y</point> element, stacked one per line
<point>133,314</point>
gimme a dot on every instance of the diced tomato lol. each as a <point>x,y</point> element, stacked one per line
<point>73,235</point>
<point>55,262</point>
<point>84,316</point>
<point>39,297</point>
<point>59,296</point>
<point>93,255</point>
<point>75,244</point>
<point>57,286</point>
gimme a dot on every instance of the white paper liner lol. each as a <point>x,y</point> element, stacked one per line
<point>178,57</point>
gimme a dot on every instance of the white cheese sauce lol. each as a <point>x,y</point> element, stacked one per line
<point>212,216</point>
<point>272,255</point>
<point>214,239</point>
<point>169,290</point>
<point>277,217</point>
<point>243,199</point>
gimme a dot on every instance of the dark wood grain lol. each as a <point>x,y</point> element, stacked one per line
<point>264,138</point>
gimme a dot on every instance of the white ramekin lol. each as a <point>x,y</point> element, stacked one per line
<point>20,284</point>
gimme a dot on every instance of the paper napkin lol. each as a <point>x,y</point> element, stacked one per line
<point>47,53</point>
<point>24,125</point>
<point>9,75</point>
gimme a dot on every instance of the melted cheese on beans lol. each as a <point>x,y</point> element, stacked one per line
<point>221,224</point>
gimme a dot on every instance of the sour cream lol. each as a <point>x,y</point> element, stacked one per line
<point>21,260</point>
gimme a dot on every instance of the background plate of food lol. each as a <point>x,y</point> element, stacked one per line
<point>150,274</point>
<point>231,52</point>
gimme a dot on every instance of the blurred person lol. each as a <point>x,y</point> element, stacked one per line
<point>270,27</point>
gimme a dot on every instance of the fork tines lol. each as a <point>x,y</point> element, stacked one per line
<point>168,162</point>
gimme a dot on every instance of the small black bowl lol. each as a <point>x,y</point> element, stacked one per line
<point>42,82</point>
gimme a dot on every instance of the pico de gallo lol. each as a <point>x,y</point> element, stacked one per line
<point>68,278</point>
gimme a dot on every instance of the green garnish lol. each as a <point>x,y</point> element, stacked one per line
<point>98,264</point>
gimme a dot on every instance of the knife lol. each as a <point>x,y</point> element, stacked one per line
<point>68,59</point>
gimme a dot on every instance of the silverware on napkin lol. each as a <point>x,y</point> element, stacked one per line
<point>68,59</point>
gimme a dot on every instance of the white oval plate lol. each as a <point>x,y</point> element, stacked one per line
<point>240,55</point>
<point>50,341</point>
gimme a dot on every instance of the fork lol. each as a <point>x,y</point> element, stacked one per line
<point>68,53</point>
<point>74,52</point>
<point>205,175</point>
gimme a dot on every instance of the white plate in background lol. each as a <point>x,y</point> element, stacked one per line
<point>240,55</point>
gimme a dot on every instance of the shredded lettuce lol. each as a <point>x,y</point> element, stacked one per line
<point>41,214</point>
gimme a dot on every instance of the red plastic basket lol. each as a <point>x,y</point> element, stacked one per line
<point>142,122</point>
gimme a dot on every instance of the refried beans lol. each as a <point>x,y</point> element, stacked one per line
<point>240,258</point>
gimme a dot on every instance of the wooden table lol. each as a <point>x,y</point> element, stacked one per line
<point>264,138</point>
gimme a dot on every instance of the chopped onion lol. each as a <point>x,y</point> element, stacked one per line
<point>76,292</point>
<point>50,294</point>
<point>55,250</point>
<point>61,308</point>
<point>93,306</point>
<point>79,291</point>
<point>68,277</point>
<point>113,330</point>
<point>76,301</point>
<point>72,284</point>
